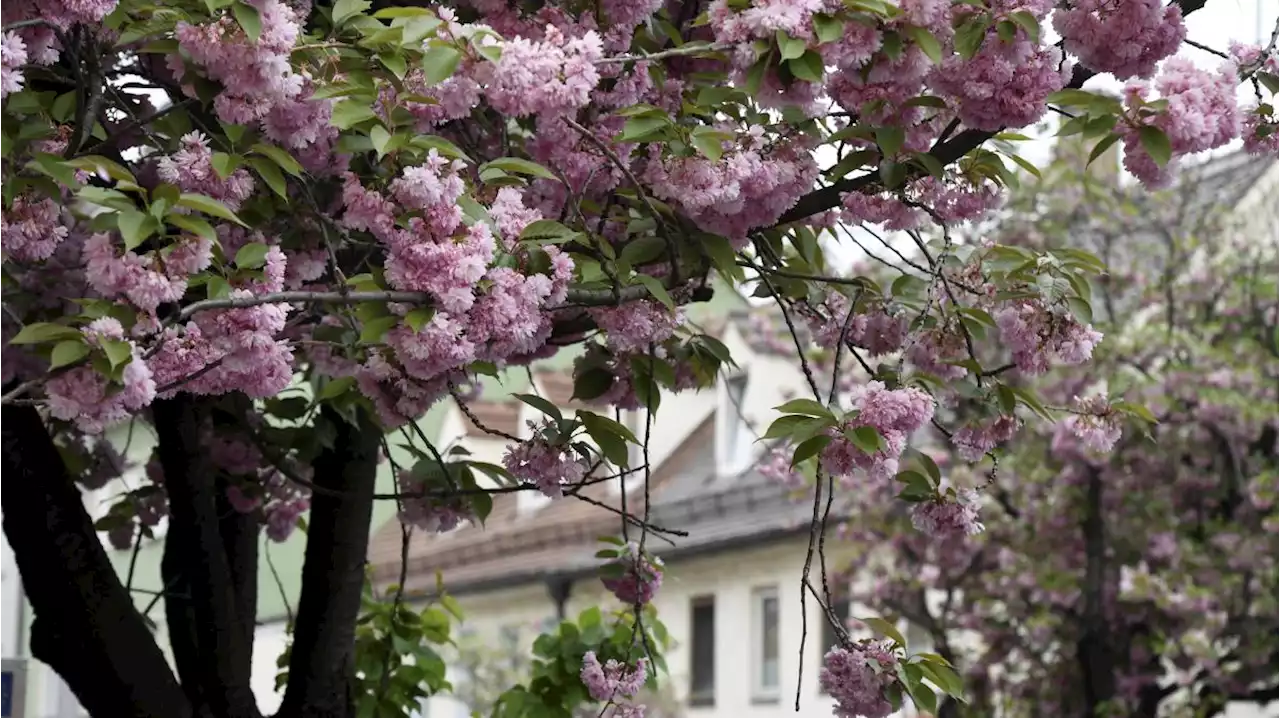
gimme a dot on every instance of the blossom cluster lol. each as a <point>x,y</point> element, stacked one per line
<point>640,579</point>
<point>856,676</point>
<point>613,680</point>
<point>544,464</point>
<point>894,413</point>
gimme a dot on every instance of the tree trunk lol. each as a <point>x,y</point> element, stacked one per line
<point>322,660</point>
<point>86,626</point>
<point>194,548</point>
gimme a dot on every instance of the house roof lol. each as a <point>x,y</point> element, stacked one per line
<point>560,539</point>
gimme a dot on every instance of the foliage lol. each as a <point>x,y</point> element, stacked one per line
<point>279,233</point>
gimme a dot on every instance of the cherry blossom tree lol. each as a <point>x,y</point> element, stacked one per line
<point>1115,572</point>
<point>277,233</point>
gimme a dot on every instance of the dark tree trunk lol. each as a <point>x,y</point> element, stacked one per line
<point>86,626</point>
<point>222,646</point>
<point>322,660</point>
<point>1094,650</point>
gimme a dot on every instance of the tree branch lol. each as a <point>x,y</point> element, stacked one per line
<point>86,626</point>
<point>321,661</point>
<point>221,647</point>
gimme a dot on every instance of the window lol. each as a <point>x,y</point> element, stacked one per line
<point>702,652</point>
<point>830,637</point>
<point>765,640</point>
<point>735,437</point>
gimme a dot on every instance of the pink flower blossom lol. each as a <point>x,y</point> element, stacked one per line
<point>857,676</point>
<point>949,519</point>
<point>641,576</point>
<point>543,464</point>
<point>87,398</point>
<point>975,440</point>
<point>430,513</point>
<point>613,680</point>
<point>1005,84</point>
<point>633,326</point>
<point>1125,38</point>
<point>551,77</point>
<point>13,55</point>
<point>190,168</point>
<point>32,229</point>
<point>1095,423</point>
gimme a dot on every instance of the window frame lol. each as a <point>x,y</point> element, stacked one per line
<point>733,433</point>
<point>706,697</point>
<point>761,693</point>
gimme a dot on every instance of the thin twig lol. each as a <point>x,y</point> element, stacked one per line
<point>683,51</point>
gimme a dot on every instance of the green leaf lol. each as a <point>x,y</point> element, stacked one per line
<point>344,9</point>
<point>1156,143</point>
<point>280,157</point>
<point>419,318</point>
<point>1137,410</point>
<point>249,20</point>
<point>441,145</point>
<point>927,43</point>
<point>1103,145</point>
<point>547,231</point>
<point>41,332</point>
<point>1024,164</point>
<point>827,28</point>
<point>98,163</point>
<point>709,141</point>
<point>783,426</point>
<point>395,62</point>
<point>217,287</point>
<point>1071,98</point>
<point>68,352</point>
<point>592,383</point>
<point>195,225</point>
<point>807,67</point>
<point>1081,310</point>
<point>924,697</point>
<point>270,174</point>
<point>1270,81</point>
<point>892,174</point>
<point>376,328</point>
<point>336,388</point>
<point>969,36</point>
<point>807,407</point>
<point>209,205</point>
<point>541,405</point>
<point>380,139</point>
<point>884,628</point>
<point>789,47</point>
<point>755,76</point>
<point>866,438</point>
<point>53,166</point>
<point>809,448</point>
<point>135,227</point>
<point>118,352</point>
<point>659,292</point>
<point>642,128</point>
<point>1028,23</point>
<point>349,113</point>
<point>439,63</point>
<point>515,165</point>
<point>252,255</point>
<point>890,140</point>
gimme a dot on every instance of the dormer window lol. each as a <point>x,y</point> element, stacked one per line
<point>734,437</point>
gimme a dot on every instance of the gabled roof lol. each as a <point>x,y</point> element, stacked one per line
<point>560,539</point>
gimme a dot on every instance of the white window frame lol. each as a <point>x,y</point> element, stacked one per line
<point>734,448</point>
<point>760,691</point>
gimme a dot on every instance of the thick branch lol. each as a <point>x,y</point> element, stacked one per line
<point>582,297</point>
<point>321,663</point>
<point>221,646</point>
<point>86,626</point>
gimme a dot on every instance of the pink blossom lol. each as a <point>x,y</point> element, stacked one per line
<point>1034,336</point>
<point>83,396</point>
<point>543,464</point>
<point>640,579</point>
<point>430,513</point>
<point>551,77</point>
<point>975,440</point>
<point>1005,84</point>
<point>613,680</point>
<point>1202,114</point>
<point>633,326</point>
<point>1125,38</point>
<point>857,676</point>
<point>949,519</point>
<point>190,168</point>
<point>1095,423</point>
<point>32,229</point>
<point>894,414</point>
<point>13,55</point>
<point>511,216</point>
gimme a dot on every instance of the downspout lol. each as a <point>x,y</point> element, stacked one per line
<point>559,589</point>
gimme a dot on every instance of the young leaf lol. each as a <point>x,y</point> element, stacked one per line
<point>659,292</point>
<point>376,328</point>
<point>380,138</point>
<point>709,141</point>
<point>252,255</point>
<point>41,332</point>
<point>249,20</point>
<point>270,174</point>
<point>807,407</point>
<point>439,63</point>
<point>789,47</point>
<point>336,388</point>
<point>927,43</point>
<point>68,352</point>
<point>419,318</point>
<point>809,448</point>
<point>1156,143</point>
<point>208,205</point>
<point>118,352</point>
<point>884,628</point>
<point>541,405</point>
